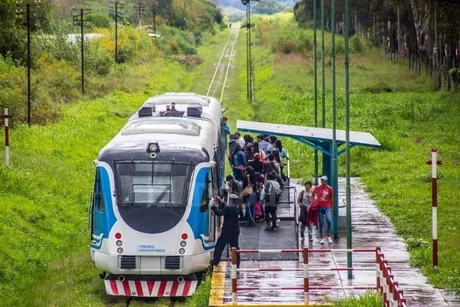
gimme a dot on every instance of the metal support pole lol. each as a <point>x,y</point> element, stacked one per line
<point>323,77</point>
<point>82,54</point>
<point>29,62</point>
<point>116,32</point>
<point>250,53</point>
<point>306,285</point>
<point>315,82</point>
<point>325,168</point>
<point>347,138</point>
<point>154,12</point>
<point>248,85</point>
<point>7,137</point>
<point>234,276</point>
<point>334,171</point>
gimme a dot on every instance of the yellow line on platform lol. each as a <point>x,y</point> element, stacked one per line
<point>217,285</point>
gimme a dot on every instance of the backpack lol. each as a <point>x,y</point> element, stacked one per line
<point>277,193</point>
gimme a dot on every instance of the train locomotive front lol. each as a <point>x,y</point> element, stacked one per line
<point>152,230</point>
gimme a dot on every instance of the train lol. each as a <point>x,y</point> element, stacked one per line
<point>153,232</point>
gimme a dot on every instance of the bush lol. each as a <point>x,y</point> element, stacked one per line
<point>100,21</point>
<point>357,45</point>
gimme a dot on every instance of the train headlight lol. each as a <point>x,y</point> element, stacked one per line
<point>153,147</point>
<point>183,243</point>
<point>119,243</point>
<point>181,251</point>
<point>120,250</point>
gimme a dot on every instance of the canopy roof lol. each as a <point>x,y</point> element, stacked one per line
<point>315,137</point>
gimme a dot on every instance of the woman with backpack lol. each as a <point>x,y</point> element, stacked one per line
<point>272,192</point>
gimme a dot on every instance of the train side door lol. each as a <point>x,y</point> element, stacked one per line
<point>97,213</point>
<point>213,193</point>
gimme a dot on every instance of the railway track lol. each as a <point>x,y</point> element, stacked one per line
<point>220,77</point>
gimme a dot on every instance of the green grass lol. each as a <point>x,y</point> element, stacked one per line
<point>44,196</point>
<point>369,299</point>
<point>401,110</point>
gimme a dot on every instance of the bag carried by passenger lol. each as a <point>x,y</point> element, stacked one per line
<point>248,190</point>
<point>258,209</point>
<point>273,192</point>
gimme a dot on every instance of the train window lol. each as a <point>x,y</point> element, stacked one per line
<point>153,183</point>
<point>204,206</point>
<point>98,197</point>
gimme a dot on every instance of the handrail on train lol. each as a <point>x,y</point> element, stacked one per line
<point>385,283</point>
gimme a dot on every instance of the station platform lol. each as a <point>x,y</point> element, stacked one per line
<point>370,229</point>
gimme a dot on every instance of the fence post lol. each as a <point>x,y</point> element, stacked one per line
<point>434,207</point>
<point>6,116</point>
<point>306,285</point>
<point>377,267</point>
<point>234,276</point>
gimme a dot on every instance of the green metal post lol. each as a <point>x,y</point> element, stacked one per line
<point>315,90</point>
<point>347,139</point>
<point>250,54</point>
<point>323,79</point>
<point>325,169</point>
<point>248,85</point>
<point>335,181</point>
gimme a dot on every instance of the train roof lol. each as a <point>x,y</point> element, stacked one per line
<point>193,125</point>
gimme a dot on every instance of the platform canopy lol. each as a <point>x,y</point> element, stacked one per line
<point>318,138</point>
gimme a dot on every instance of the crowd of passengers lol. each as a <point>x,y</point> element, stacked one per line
<point>258,176</point>
<point>257,183</point>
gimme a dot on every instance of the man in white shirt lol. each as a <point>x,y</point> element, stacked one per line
<point>240,140</point>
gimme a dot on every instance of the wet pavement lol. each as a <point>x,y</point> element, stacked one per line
<point>370,229</point>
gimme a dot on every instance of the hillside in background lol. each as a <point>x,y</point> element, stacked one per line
<point>236,11</point>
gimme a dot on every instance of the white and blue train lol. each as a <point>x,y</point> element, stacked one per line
<point>152,230</point>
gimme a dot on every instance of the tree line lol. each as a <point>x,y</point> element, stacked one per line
<point>426,32</point>
<point>194,15</point>
<point>63,68</point>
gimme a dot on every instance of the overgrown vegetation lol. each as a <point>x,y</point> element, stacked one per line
<point>56,55</point>
<point>401,109</point>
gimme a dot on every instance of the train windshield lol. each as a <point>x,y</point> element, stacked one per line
<point>159,184</point>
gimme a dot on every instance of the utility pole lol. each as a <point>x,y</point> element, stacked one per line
<point>30,16</point>
<point>116,9</point>
<point>249,73</point>
<point>79,20</point>
<point>154,16</point>
<point>140,11</point>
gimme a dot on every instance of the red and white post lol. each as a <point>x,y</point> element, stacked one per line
<point>6,116</point>
<point>306,284</point>
<point>234,276</point>
<point>434,207</point>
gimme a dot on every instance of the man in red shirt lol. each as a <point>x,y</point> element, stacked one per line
<point>325,196</point>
